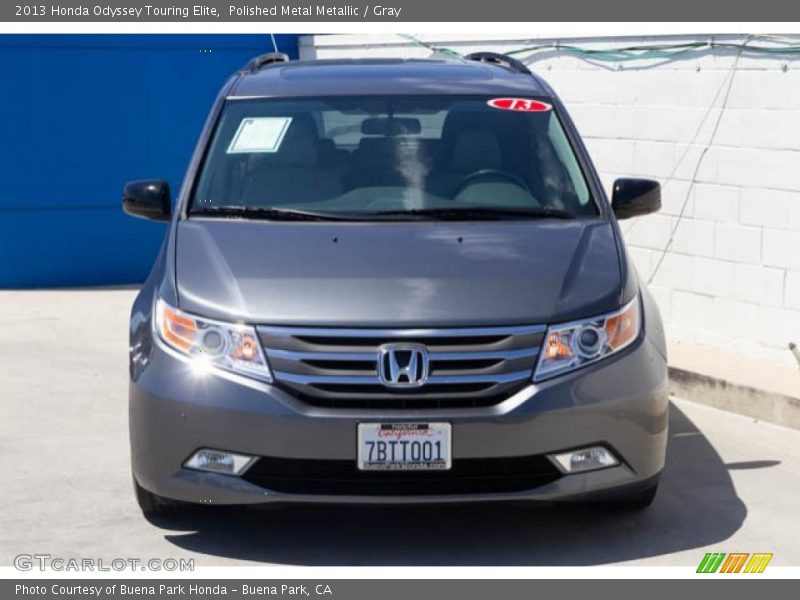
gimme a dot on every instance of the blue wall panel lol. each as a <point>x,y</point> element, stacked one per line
<point>82,114</point>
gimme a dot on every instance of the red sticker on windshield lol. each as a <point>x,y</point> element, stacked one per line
<point>519,104</point>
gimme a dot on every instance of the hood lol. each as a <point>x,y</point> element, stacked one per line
<point>408,274</point>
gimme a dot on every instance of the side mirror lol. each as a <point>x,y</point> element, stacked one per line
<point>635,197</point>
<point>147,199</point>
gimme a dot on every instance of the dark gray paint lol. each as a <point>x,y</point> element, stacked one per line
<point>385,77</point>
<point>622,402</point>
<point>397,274</point>
<point>394,274</point>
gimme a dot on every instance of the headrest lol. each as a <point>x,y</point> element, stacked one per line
<point>370,146</point>
<point>299,147</point>
<point>474,150</point>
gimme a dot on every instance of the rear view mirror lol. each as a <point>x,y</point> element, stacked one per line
<point>391,126</point>
<point>635,197</point>
<point>147,199</point>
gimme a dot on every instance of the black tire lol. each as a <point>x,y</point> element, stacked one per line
<point>639,501</point>
<point>152,505</point>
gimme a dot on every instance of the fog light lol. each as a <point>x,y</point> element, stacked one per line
<point>218,461</point>
<point>585,459</point>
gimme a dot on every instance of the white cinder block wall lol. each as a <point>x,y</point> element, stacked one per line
<point>731,276</point>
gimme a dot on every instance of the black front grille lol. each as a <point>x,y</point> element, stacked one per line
<point>393,400</point>
<point>342,477</point>
<point>445,388</point>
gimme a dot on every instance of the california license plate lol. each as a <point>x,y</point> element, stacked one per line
<point>404,446</point>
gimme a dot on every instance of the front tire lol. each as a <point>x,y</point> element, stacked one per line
<point>152,505</point>
<point>639,501</point>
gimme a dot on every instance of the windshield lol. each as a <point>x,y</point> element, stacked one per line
<point>360,156</point>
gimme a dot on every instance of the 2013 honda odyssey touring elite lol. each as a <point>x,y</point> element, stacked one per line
<point>394,281</point>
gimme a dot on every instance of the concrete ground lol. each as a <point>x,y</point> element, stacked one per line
<point>763,390</point>
<point>731,483</point>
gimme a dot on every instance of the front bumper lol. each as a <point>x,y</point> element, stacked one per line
<point>621,403</point>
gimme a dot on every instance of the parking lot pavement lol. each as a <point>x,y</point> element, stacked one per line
<point>731,484</point>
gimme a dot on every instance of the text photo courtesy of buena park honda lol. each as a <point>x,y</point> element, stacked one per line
<point>400,300</point>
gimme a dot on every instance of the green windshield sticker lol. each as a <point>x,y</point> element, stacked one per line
<point>259,134</point>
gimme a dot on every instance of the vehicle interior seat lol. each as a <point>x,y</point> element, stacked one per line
<point>295,173</point>
<point>391,161</point>
<point>470,149</point>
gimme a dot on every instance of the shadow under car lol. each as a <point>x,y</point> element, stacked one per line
<point>696,506</point>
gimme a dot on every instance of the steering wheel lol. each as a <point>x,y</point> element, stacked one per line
<point>471,177</point>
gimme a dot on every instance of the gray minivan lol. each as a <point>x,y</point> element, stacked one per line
<point>393,281</point>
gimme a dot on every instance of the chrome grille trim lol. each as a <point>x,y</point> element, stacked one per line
<point>400,333</point>
<point>338,367</point>
<point>370,380</point>
<point>364,356</point>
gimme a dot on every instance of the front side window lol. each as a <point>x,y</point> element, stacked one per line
<point>390,155</point>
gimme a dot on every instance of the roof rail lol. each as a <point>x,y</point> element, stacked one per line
<point>265,59</point>
<point>501,60</point>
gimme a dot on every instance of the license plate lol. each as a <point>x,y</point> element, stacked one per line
<point>404,446</point>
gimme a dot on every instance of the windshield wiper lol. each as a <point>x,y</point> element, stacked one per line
<point>461,213</point>
<point>271,213</point>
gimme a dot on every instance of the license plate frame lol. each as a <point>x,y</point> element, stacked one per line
<point>428,446</point>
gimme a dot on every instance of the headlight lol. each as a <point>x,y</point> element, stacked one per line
<point>572,345</point>
<point>227,346</point>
